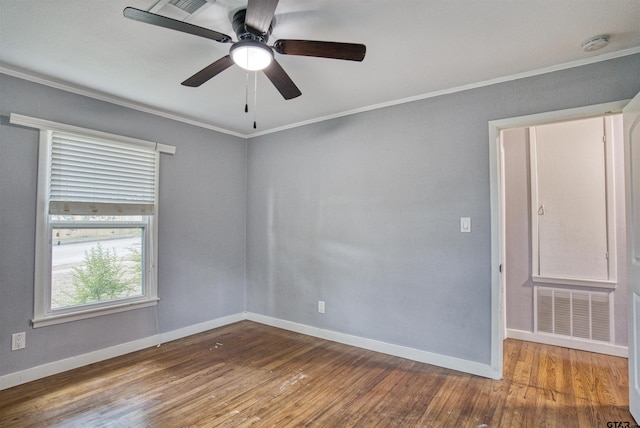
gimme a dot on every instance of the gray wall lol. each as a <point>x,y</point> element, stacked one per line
<point>518,283</point>
<point>201,255</point>
<point>361,211</point>
<point>364,211</point>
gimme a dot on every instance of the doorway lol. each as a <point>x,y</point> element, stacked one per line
<point>500,327</point>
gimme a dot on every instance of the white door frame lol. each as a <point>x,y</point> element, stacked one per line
<point>496,174</point>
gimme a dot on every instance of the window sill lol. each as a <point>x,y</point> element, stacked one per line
<point>590,283</point>
<point>60,318</point>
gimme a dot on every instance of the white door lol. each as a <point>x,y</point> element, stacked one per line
<point>631,117</point>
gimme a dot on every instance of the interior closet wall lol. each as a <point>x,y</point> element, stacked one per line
<point>519,286</point>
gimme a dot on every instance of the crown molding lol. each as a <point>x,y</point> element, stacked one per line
<point>102,96</point>
<point>91,93</point>
<point>503,79</point>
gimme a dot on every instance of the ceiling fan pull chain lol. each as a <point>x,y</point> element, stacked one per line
<point>246,94</point>
<point>255,99</point>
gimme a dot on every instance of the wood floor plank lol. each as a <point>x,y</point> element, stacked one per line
<point>251,375</point>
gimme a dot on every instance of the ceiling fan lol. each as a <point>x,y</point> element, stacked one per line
<point>253,26</point>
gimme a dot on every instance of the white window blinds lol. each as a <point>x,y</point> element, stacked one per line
<point>93,176</point>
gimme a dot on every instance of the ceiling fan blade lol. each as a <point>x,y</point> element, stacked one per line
<point>209,71</point>
<point>173,24</point>
<point>336,50</point>
<point>282,81</point>
<point>259,15</point>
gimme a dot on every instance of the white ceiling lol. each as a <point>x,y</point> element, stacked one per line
<point>414,48</point>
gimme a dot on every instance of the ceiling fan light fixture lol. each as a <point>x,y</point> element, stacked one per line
<point>251,55</point>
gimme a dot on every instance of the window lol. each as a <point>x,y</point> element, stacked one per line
<point>96,232</point>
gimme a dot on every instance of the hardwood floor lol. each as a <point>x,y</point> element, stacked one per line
<point>248,374</point>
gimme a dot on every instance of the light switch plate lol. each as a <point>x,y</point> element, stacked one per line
<point>465,224</point>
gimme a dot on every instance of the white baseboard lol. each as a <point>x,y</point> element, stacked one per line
<point>484,370</point>
<point>583,345</point>
<point>44,370</point>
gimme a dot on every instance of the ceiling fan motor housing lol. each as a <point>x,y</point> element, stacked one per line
<point>245,33</point>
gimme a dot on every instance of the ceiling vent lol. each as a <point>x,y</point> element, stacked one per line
<point>189,6</point>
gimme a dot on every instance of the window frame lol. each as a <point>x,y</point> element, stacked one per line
<point>43,314</point>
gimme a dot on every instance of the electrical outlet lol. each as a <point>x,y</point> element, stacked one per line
<point>321,306</point>
<point>18,341</point>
